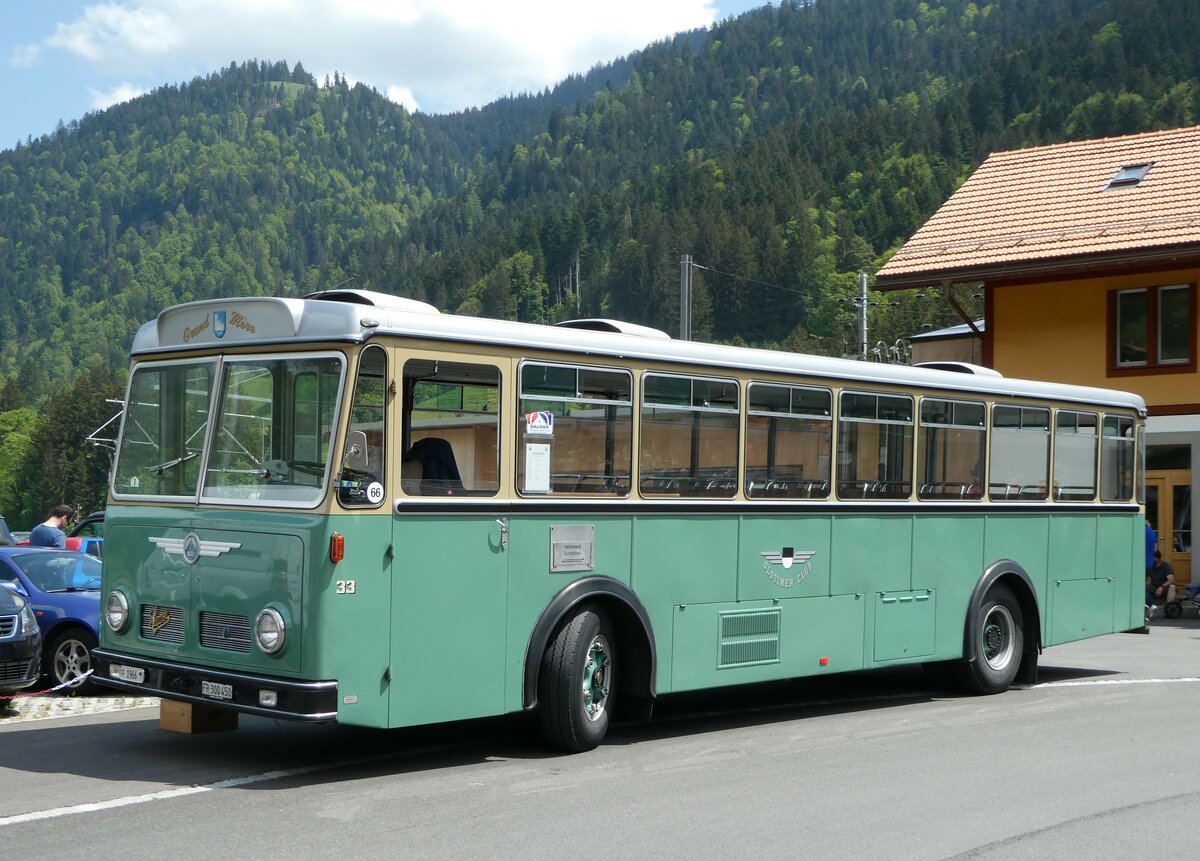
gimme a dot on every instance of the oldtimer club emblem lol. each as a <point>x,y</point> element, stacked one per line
<point>787,558</point>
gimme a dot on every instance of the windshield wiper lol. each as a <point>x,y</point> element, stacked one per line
<point>171,464</point>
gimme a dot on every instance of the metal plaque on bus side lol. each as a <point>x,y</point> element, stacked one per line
<point>572,548</point>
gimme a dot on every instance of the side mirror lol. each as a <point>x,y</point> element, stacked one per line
<point>13,586</point>
<point>356,451</point>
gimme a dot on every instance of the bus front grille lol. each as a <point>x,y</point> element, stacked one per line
<point>162,623</point>
<point>225,631</point>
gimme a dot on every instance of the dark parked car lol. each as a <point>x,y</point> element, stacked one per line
<point>20,643</point>
<point>63,587</point>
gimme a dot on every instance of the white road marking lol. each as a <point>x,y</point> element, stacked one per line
<point>1114,682</point>
<point>162,795</point>
<point>179,792</point>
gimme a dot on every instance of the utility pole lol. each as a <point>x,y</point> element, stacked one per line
<point>685,297</point>
<point>862,316</point>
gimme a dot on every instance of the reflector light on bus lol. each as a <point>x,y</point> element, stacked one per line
<point>824,662</point>
<point>337,547</point>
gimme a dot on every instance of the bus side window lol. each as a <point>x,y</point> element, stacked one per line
<point>451,429</point>
<point>360,480</point>
<point>574,430</point>
<point>1020,460</point>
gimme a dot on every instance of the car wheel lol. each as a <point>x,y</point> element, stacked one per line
<point>69,660</point>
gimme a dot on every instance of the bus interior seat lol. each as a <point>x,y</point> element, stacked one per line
<point>439,469</point>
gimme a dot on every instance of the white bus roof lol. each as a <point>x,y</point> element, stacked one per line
<point>216,325</point>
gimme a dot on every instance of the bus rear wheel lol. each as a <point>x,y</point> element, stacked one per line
<point>577,683</point>
<point>995,651</point>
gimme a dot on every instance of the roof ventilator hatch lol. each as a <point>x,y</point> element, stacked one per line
<point>1129,175</point>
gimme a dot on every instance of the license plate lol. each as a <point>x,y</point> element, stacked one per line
<point>130,674</point>
<point>216,690</point>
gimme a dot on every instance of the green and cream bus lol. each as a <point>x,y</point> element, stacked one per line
<point>353,508</point>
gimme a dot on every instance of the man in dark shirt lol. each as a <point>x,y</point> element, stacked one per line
<point>50,532</point>
<point>1160,583</point>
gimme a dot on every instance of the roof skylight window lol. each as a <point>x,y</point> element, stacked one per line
<point>1130,174</point>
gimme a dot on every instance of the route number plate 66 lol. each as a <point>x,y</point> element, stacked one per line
<point>216,690</point>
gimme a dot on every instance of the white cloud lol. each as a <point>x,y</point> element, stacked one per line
<point>446,54</point>
<point>118,94</point>
<point>403,96</point>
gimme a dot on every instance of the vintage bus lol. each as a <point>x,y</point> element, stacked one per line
<point>353,508</point>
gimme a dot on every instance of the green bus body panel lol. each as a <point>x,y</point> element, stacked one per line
<point>448,614</point>
<point>904,624</point>
<point>1080,608</point>
<point>793,637</point>
<point>532,583</point>
<point>428,617</point>
<point>262,567</point>
<point>872,553</point>
<point>1073,547</point>
<point>760,577</point>
<point>682,561</point>
<point>358,622</point>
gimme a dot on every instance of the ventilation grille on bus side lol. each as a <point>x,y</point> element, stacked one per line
<point>225,631</point>
<point>749,637</point>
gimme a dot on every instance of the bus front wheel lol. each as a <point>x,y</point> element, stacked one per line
<point>995,651</point>
<point>576,683</point>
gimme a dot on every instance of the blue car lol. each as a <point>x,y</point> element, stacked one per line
<point>63,587</point>
<point>20,644</point>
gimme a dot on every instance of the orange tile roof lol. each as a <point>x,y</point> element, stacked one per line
<point>1049,206</point>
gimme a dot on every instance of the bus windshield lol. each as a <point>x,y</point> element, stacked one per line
<point>272,425</point>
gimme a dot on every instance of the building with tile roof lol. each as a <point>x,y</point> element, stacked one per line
<point>1088,255</point>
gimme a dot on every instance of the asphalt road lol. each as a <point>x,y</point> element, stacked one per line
<point>1094,762</point>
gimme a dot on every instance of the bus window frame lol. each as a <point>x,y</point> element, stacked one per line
<point>971,491</point>
<point>871,488</point>
<point>1058,495</point>
<point>213,362</point>
<point>690,408</point>
<point>520,416</point>
<point>999,432</point>
<point>811,488</point>
<point>216,409</point>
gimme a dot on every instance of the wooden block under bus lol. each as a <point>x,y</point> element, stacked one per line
<point>193,717</point>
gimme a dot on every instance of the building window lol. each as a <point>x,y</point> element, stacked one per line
<point>1153,328</point>
<point>1129,175</point>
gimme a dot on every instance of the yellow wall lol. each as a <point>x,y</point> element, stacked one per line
<point>1059,331</point>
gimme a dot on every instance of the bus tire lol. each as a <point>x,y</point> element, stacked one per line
<point>995,651</point>
<point>576,682</point>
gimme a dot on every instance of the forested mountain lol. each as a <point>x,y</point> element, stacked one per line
<point>785,150</point>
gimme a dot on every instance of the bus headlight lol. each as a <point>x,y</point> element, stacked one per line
<point>116,611</point>
<point>269,630</point>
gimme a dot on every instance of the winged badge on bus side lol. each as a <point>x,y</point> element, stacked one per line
<point>787,558</point>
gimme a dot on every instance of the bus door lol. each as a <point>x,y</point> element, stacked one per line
<point>1169,510</point>
<point>450,571</point>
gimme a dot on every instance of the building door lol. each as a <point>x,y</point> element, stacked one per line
<point>1169,510</point>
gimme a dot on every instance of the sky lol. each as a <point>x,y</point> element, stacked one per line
<point>61,59</point>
